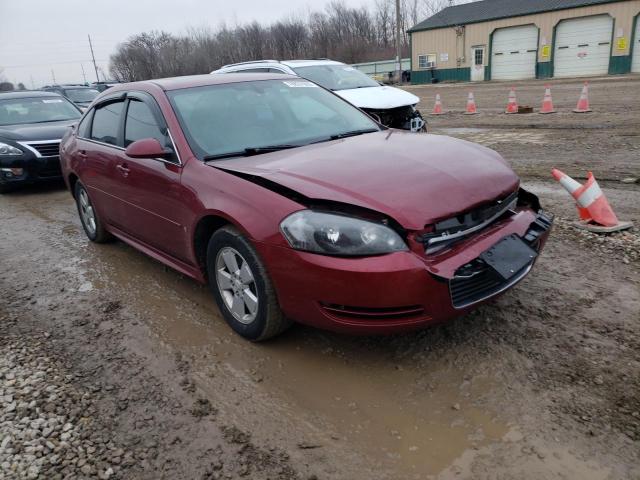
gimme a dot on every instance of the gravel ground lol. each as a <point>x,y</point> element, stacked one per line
<point>113,366</point>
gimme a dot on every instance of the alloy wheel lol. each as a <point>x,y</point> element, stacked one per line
<point>86,212</point>
<point>237,285</point>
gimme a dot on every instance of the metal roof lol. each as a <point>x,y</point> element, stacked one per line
<point>486,10</point>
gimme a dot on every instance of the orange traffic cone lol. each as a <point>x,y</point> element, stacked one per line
<point>437,108</point>
<point>583,101</point>
<point>593,206</point>
<point>547,103</point>
<point>471,105</point>
<point>571,186</point>
<point>512,106</point>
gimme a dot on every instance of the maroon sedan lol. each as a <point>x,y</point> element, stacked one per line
<point>294,205</point>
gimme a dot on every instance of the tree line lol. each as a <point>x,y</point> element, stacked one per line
<point>347,34</point>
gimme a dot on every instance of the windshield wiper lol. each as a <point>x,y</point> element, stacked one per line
<point>249,151</point>
<point>352,133</point>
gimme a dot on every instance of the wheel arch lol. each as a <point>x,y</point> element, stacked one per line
<point>72,179</point>
<point>206,226</point>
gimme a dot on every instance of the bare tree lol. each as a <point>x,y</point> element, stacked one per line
<point>340,32</point>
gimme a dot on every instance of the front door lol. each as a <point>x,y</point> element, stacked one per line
<point>152,201</point>
<point>477,60</point>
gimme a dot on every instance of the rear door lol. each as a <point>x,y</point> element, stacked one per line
<point>153,201</point>
<point>97,154</point>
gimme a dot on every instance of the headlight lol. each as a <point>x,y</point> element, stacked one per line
<point>6,149</point>
<point>333,234</point>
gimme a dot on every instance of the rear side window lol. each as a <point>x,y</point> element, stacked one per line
<point>83,127</point>
<point>106,120</point>
<point>141,123</point>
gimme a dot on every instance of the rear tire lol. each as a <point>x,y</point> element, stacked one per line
<point>242,287</point>
<point>91,223</point>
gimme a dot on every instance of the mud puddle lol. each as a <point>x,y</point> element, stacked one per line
<point>342,389</point>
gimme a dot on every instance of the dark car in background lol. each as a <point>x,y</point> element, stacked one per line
<point>81,95</point>
<point>102,86</point>
<point>31,126</point>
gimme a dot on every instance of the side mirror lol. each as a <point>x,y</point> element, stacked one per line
<point>146,148</point>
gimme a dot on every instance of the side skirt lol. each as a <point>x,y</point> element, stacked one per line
<point>178,265</point>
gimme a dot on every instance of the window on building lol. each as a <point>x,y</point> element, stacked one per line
<point>478,56</point>
<point>427,61</point>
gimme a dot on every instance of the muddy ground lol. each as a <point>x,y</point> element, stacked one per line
<point>544,383</point>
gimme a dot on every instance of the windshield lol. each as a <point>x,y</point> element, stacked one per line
<point>233,117</point>
<point>81,95</point>
<point>17,111</point>
<point>336,77</point>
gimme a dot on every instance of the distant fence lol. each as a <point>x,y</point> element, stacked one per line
<point>382,68</point>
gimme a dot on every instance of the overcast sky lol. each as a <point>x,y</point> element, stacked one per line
<point>38,36</point>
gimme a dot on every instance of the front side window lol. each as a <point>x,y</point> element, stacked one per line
<point>336,77</point>
<point>220,119</point>
<point>106,120</point>
<point>17,111</point>
<point>141,123</point>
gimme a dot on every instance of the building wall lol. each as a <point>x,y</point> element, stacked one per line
<point>458,47</point>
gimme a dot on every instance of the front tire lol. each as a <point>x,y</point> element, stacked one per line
<point>242,287</point>
<point>91,223</point>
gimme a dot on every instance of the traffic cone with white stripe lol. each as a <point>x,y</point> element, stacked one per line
<point>547,102</point>
<point>437,108</point>
<point>512,106</point>
<point>592,204</point>
<point>571,186</point>
<point>583,101</point>
<point>471,105</point>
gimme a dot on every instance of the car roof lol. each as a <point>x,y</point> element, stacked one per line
<point>309,63</point>
<point>286,63</point>
<point>177,83</point>
<point>27,94</point>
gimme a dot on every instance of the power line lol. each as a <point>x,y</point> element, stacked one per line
<point>94,59</point>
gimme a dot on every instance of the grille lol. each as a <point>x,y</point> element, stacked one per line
<point>49,149</point>
<point>368,313</point>
<point>52,169</point>
<point>477,281</point>
<point>393,117</point>
<point>482,282</point>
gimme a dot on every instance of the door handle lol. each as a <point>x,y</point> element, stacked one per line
<point>82,153</point>
<point>124,169</point>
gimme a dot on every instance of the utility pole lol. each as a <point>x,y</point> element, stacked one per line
<point>93,57</point>
<point>398,44</point>
<point>53,75</point>
<point>33,85</point>
<point>84,76</point>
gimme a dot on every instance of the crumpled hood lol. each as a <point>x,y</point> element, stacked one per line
<point>416,179</point>
<point>378,98</point>
<point>36,131</point>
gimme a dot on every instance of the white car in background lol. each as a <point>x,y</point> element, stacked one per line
<point>392,106</point>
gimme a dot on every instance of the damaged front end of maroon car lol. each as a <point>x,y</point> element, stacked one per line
<point>523,227</point>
